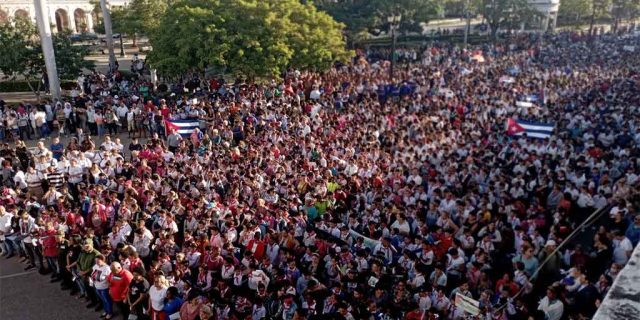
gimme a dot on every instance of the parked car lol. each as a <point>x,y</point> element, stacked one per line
<point>85,36</point>
<point>115,36</point>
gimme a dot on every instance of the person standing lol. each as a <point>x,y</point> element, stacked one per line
<point>173,140</point>
<point>50,250</point>
<point>34,181</point>
<point>119,281</point>
<point>91,120</point>
<point>138,293</point>
<point>99,279</point>
<point>5,230</point>
<point>552,307</point>
<point>23,126</point>
<point>157,295</point>
<point>27,228</point>
<point>64,247</point>
<point>85,263</point>
<point>121,112</point>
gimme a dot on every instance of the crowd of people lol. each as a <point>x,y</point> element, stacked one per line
<point>341,195</point>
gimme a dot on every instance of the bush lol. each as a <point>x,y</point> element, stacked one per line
<point>23,86</point>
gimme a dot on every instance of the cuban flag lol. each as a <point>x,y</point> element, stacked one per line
<point>532,129</point>
<point>183,127</point>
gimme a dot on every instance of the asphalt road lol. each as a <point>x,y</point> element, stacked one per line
<point>30,296</point>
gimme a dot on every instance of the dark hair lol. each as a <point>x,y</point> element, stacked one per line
<point>173,291</point>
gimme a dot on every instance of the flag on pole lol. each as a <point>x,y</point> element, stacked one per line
<point>182,127</point>
<point>532,129</point>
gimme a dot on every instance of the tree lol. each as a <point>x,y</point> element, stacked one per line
<point>138,17</point>
<point>70,58</point>
<point>370,16</point>
<point>507,14</point>
<point>21,53</point>
<point>574,11</point>
<point>22,56</point>
<point>256,38</point>
<point>624,9</point>
<point>599,9</point>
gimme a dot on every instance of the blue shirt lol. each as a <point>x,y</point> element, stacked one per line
<point>56,149</point>
<point>172,306</point>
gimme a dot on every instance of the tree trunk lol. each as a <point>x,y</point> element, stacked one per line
<point>35,90</point>
<point>134,38</point>
<point>494,32</point>
<point>593,21</point>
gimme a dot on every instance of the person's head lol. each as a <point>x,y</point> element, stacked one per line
<point>116,267</point>
<point>100,260</point>
<point>160,281</point>
<point>138,274</point>
<point>205,312</point>
<point>172,292</point>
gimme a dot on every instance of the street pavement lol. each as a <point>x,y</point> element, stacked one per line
<point>27,295</point>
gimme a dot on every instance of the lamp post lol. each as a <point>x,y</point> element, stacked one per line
<point>467,15</point>
<point>394,24</point>
<point>121,46</point>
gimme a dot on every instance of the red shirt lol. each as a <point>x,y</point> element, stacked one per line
<point>119,285</point>
<point>49,244</point>
<point>257,247</point>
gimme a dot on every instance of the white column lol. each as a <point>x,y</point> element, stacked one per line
<point>89,18</point>
<point>545,22</point>
<point>72,21</point>
<point>554,21</point>
<point>47,47</point>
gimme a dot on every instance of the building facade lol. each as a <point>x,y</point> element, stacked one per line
<point>75,15</point>
<point>549,10</point>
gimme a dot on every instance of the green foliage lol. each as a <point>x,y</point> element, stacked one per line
<point>256,38</point>
<point>139,16</point>
<point>371,15</point>
<point>625,9</point>
<point>574,11</point>
<point>501,14</point>
<point>25,86</point>
<point>21,54</point>
<point>70,58</point>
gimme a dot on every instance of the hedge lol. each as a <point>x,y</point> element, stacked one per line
<point>23,86</point>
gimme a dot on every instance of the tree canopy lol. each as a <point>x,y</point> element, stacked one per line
<point>361,16</point>
<point>22,56</point>
<point>138,17</point>
<point>501,14</point>
<point>256,38</point>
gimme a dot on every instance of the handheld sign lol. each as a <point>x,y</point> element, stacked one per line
<point>467,304</point>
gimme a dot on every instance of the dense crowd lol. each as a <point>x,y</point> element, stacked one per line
<point>341,195</point>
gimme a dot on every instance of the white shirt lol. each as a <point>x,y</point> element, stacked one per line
<point>19,180</point>
<point>122,111</point>
<point>5,224</point>
<point>157,297</point>
<point>75,174</point>
<point>259,312</point>
<point>552,311</point>
<point>99,276</point>
<point>142,242</point>
<point>621,247</point>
